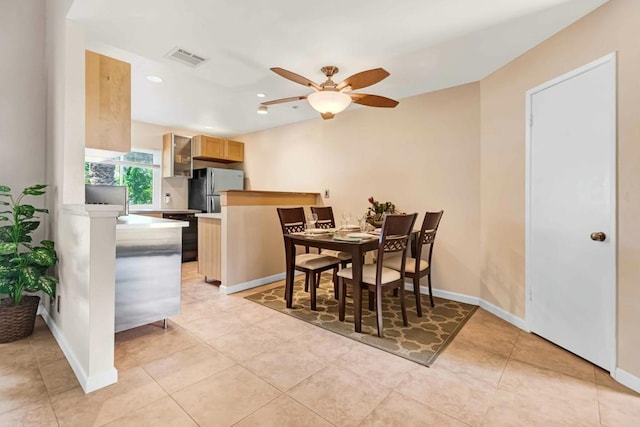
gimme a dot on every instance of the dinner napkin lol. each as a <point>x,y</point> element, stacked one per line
<point>346,239</point>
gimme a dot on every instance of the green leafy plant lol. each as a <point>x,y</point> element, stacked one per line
<point>23,266</point>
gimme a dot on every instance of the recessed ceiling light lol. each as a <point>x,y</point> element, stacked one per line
<point>260,95</point>
<point>154,79</point>
<point>262,109</point>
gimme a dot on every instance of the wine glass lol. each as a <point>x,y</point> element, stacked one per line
<point>346,217</point>
<point>312,219</point>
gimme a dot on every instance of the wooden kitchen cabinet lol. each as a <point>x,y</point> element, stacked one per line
<point>216,149</point>
<point>208,147</point>
<point>233,151</point>
<point>107,103</point>
<point>177,156</point>
<point>210,248</point>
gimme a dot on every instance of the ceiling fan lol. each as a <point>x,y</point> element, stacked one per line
<point>330,98</point>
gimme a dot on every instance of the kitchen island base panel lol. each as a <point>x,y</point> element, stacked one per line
<point>148,276</point>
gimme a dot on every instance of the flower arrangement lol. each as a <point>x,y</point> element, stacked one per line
<point>376,211</point>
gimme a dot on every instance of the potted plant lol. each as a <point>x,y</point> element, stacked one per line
<point>377,210</point>
<point>23,265</point>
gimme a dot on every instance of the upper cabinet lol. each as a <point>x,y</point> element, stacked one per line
<point>177,158</point>
<point>217,149</point>
<point>107,103</point>
<point>233,151</point>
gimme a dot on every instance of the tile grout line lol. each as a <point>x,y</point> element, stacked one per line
<point>257,409</point>
<point>305,406</point>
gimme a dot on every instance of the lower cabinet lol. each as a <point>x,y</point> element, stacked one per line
<point>210,248</point>
<point>147,275</point>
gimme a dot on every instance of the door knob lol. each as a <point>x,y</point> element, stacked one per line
<point>598,236</point>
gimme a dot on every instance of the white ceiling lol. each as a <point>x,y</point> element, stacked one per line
<point>426,45</point>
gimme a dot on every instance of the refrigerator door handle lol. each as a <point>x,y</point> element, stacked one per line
<point>211,177</point>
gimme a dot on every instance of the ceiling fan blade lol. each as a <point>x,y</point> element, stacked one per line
<point>294,77</point>
<point>364,79</point>
<point>282,100</point>
<point>327,116</point>
<point>373,100</point>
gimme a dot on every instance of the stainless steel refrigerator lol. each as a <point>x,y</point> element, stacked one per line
<point>206,185</point>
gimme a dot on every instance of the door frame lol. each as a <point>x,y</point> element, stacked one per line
<point>612,296</point>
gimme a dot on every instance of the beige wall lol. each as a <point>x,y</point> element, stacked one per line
<point>613,27</point>
<point>422,155</point>
<point>23,96</point>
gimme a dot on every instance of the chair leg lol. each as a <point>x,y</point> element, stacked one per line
<point>430,292</point>
<point>341,298</point>
<point>379,310</point>
<point>335,283</point>
<point>403,306</point>
<point>371,300</point>
<point>306,282</point>
<point>318,280</point>
<point>313,291</point>
<point>416,291</point>
<point>395,292</point>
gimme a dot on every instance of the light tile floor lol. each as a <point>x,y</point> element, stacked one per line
<point>227,361</point>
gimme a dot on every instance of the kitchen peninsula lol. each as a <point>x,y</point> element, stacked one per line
<point>148,270</point>
<point>242,245</point>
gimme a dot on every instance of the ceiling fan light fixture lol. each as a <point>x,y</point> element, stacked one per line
<point>263,109</point>
<point>328,101</point>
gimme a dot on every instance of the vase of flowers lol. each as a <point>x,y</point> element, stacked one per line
<point>377,210</point>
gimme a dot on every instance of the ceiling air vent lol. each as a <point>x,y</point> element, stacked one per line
<point>186,57</point>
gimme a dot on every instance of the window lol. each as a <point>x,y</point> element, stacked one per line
<point>139,170</point>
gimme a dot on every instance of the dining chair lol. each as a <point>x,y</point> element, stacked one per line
<point>394,238</point>
<point>417,268</point>
<point>292,221</point>
<point>326,220</point>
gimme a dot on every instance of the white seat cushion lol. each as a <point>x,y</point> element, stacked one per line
<point>342,256</point>
<point>369,274</point>
<point>315,261</point>
<point>395,262</point>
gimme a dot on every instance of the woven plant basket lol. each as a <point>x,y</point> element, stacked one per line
<point>17,321</point>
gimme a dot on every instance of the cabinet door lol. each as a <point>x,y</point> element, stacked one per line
<point>213,147</point>
<point>233,151</point>
<point>176,156</point>
<point>108,103</point>
<point>208,148</point>
<point>182,156</point>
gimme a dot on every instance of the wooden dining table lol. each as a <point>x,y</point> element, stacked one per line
<point>357,249</point>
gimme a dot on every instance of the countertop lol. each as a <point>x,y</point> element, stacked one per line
<point>268,192</point>
<point>148,211</point>
<point>210,215</point>
<point>128,222</point>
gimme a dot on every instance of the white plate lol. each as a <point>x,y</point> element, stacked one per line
<point>351,227</point>
<point>360,235</point>
<point>317,231</point>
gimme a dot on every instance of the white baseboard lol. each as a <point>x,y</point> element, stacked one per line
<point>253,283</point>
<point>493,309</point>
<point>504,315</point>
<point>627,379</point>
<point>88,383</point>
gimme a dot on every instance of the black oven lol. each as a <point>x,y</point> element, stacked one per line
<point>189,234</point>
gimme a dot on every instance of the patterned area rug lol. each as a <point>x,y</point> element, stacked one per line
<point>421,342</point>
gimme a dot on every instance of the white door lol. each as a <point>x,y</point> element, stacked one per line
<point>571,178</point>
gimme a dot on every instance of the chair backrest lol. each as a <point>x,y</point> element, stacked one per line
<point>394,237</point>
<point>291,220</point>
<point>428,234</point>
<point>325,216</point>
